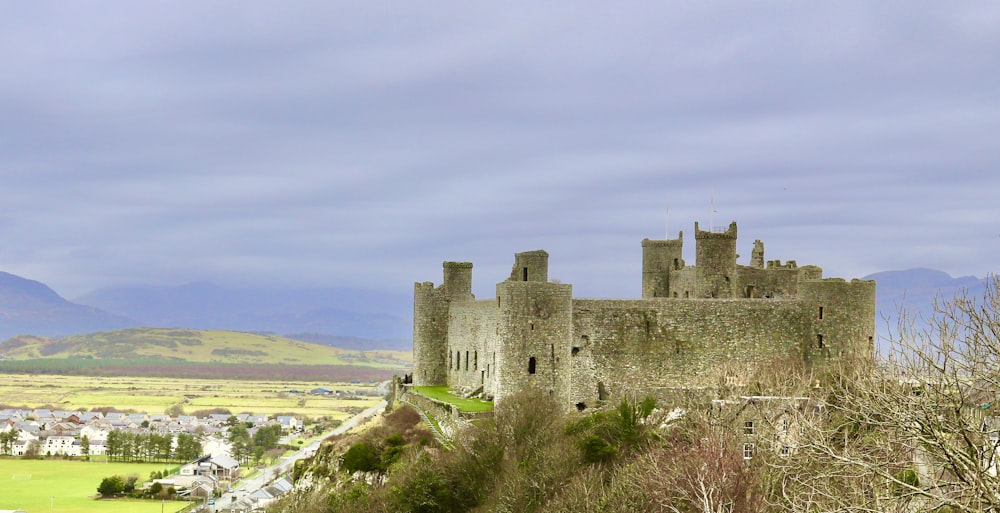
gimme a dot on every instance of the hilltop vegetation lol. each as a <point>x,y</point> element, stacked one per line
<point>195,353</point>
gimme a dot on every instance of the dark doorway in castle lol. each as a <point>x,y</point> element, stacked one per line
<point>750,291</point>
<point>531,365</point>
<point>581,406</point>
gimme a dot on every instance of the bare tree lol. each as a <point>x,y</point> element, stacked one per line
<point>915,434</point>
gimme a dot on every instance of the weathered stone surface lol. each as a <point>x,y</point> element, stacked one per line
<point>691,322</point>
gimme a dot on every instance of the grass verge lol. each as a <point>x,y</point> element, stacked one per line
<point>442,393</point>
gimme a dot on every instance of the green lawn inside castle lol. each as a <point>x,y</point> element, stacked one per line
<point>443,394</point>
<point>694,327</point>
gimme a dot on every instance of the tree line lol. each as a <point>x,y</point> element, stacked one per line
<point>247,448</point>
<point>151,447</point>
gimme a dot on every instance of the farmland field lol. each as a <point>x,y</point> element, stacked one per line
<point>155,395</point>
<point>67,486</point>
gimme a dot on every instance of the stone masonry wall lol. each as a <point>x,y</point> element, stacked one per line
<point>624,345</point>
<point>535,329</point>
<point>473,339</point>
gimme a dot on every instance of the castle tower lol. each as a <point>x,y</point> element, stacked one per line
<point>530,266</point>
<point>534,330</point>
<point>659,259</point>
<point>842,316</point>
<point>431,310</point>
<point>458,281</point>
<point>715,262</point>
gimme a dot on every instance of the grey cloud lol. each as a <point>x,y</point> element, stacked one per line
<point>335,143</point>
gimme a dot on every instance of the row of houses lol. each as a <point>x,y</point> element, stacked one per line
<point>60,432</point>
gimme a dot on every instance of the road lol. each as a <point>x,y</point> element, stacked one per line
<point>285,465</point>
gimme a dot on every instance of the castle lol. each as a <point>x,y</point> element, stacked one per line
<point>691,322</point>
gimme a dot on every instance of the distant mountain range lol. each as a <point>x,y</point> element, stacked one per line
<point>913,291</point>
<point>342,317</point>
<point>31,307</point>
<point>351,318</point>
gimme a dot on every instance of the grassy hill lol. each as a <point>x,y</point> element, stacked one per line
<point>177,348</point>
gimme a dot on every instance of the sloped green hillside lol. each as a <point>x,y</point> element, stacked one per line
<point>197,346</point>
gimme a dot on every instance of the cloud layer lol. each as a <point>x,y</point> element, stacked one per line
<point>329,143</point>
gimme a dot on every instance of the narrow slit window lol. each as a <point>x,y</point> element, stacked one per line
<point>524,274</point>
<point>475,360</point>
<point>466,360</point>
<point>821,312</point>
<point>531,365</point>
<point>819,342</point>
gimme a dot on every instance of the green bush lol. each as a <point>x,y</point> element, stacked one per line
<point>596,450</point>
<point>906,478</point>
<point>111,486</point>
<point>362,457</point>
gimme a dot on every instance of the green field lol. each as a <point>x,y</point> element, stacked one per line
<point>197,346</point>
<point>155,395</point>
<point>63,486</point>
<point>442,393</point>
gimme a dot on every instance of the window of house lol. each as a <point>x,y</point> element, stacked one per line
<point>784,425</point>
<point>748,427</point>
<point>785,451</point>
<point>747,451</point>
<point>531,365</point>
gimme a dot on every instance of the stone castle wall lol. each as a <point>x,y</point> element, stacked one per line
<point>693,324</point>
<point>473,330</point>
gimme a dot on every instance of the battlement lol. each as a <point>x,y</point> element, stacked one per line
<point>700,234</point>
<point>664,243</point>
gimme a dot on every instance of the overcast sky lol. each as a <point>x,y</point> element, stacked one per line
<point>361,144</point>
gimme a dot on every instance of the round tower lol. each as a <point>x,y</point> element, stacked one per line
<point>659,259</point>
<point>458,281</point>
<point>843,318</point>
<point>534,330</point>
<point>715,264</point>
<point>430,335</point>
